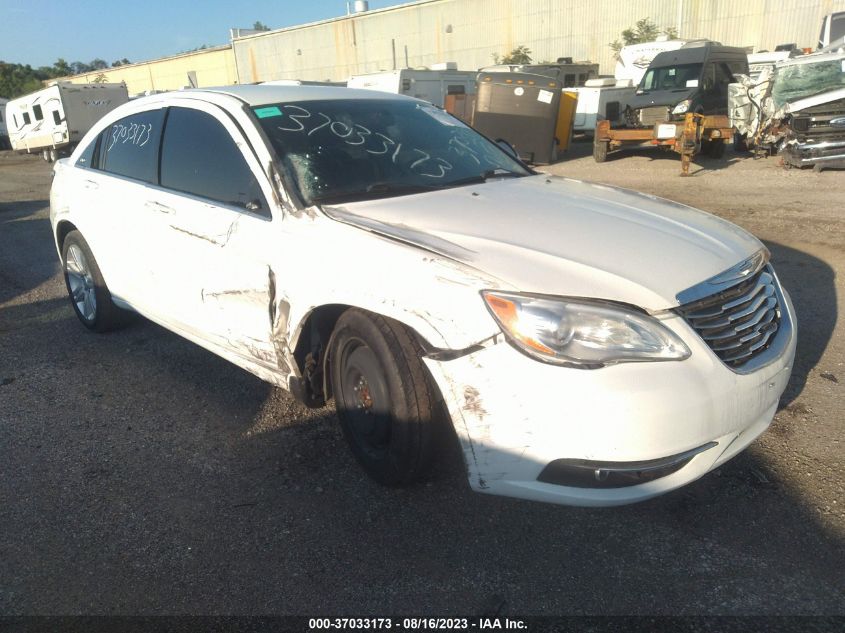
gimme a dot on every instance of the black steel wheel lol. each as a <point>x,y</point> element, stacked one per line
<point>384,396</point>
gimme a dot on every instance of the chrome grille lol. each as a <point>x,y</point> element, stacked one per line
<point>651,115</point>
<point>740,322</point>
<point>813,124</point>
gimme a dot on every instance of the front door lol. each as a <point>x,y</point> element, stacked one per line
<point>216,236</point>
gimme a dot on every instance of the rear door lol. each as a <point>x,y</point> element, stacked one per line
<point>111,188</point>
<point>215,235</point>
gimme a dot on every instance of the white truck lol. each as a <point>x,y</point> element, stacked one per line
<point>431,85</point>
<point>605,98</point>
<point>53,120</point>
<point>4,133</point>
<point>833,28</point>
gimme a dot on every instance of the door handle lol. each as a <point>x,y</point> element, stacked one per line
<point>158,206</point>
<point>90,184</point>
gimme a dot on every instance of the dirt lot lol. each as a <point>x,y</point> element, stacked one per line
<point>141,474</point>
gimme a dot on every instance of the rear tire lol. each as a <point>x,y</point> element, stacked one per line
<point>384,396</point>
<point>89,295</point>
<point>600,149</point>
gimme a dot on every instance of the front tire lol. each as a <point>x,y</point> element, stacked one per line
<point>384,397</point>
<point>89,295</point>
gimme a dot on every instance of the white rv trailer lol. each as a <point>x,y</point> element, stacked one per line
<point>4,133</point>
<point>53,120</point>
<point>429,85</point>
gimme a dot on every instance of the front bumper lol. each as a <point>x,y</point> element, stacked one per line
<point>516,416</point>
<point>828,153</point>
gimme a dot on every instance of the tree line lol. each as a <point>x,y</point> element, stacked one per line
<point>21,79</point>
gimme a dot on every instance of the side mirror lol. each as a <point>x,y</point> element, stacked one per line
<point>509,149</point>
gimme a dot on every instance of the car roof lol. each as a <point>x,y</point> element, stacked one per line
<point>696,54</point>
<point>258,94</point>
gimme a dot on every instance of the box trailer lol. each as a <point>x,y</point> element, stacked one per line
<point>430,85</point>
<point>53,120</point>
<point>599,100</point>
<point>522,109</point>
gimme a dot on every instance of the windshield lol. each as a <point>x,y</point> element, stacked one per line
<point>678,77</point>
<point>344,150</point>
<point>805,80</point>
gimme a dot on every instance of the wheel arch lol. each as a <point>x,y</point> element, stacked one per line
<point>312,339</point>
<point>62,229</point>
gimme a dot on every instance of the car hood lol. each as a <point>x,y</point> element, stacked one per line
<point>668,98</point>
<point>564,237</point>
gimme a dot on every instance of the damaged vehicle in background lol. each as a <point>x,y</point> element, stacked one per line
<point>588,345</point>
<point>798,110</point>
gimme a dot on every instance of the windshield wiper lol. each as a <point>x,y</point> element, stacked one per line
<point>375,190</point>
<point>484,177</point>
<point>398,187</point>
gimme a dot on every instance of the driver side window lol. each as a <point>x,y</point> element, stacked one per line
<point>200,157</point>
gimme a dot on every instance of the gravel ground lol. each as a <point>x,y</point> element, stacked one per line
<point>140,474</point>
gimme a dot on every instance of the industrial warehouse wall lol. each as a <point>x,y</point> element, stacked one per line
<point>212,67</point>
<point>469,32</point>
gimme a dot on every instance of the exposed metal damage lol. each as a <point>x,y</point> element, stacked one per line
<point>796,109</point>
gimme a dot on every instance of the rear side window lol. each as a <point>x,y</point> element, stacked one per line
<point>36,110</point>
<point>26,119</point>
<point>200,157</point>
<point>130,146</point>
<point>57,119</point>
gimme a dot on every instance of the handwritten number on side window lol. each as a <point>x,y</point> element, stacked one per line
<point>137,134</point>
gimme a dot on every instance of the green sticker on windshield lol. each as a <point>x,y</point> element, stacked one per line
<point>264,113</point>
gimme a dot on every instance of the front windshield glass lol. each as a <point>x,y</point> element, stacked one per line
<point>805,80</point>
<point>344,150</point>
<point>678,77</point>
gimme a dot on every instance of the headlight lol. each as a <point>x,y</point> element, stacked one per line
<point>682,107</point>
<point>564,331</point>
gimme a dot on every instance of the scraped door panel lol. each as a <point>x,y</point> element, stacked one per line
<point>215,231</point>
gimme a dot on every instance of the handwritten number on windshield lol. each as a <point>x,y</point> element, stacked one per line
<point>322,125</point>
<point>356,134</point>
<point>385,140</point>
<point>304,114</point>
<point>442,165</point>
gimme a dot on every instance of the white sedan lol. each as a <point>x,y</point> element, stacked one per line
<point>590,345</point>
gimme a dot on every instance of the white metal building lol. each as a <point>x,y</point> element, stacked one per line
<point>470,32</point>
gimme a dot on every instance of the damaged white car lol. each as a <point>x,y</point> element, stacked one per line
<point>590,345</point>
<point>796,109</point>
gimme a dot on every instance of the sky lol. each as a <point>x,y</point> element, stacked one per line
<point>38,32</point>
